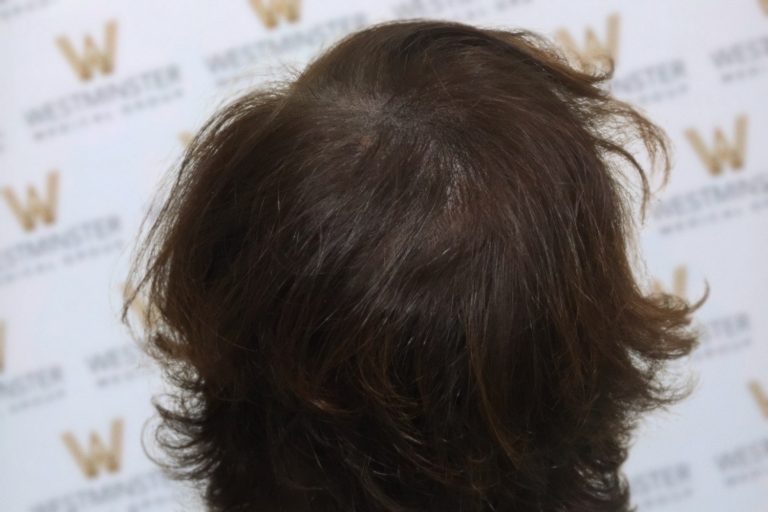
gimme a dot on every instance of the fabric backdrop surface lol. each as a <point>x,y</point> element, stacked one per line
<point>97,100</point>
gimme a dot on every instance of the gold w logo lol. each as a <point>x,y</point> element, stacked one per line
<point>98,455</point>
<point>760,396</point>
<point>679,282</point>
<point>92,58</point>
<point>35,207</point>
<point>724,152</point>
<point>594,49</point>
<point>289,9</point>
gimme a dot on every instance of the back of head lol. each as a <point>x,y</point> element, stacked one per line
<point>401,281</point>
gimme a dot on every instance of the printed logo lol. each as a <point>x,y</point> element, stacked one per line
<point>594,49</point>
<point>35,207</point>
<point>725,334</point>
<point>720,199</point>
<point>760,396</point>
<point>289,9</point>
<point>724,153</point>
<point>92,58</point>
<point>744,463</point>
<point>679,283</point>
<point>98,455</point>
<point>662,485</point>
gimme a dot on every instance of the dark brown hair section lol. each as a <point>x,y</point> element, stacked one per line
<point>402,281</point>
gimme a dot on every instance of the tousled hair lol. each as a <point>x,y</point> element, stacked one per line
<point>402,280</point>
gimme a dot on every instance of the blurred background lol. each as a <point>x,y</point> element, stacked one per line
<point>97,100</point>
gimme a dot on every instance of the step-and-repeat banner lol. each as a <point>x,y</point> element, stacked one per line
<point>97,100</point>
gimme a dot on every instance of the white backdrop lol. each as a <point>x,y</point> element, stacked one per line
<point>97,98</point>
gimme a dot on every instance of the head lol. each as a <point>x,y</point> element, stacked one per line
<point>402,280</point>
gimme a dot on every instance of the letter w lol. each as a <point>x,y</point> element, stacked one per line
<point>594,49</point>
<point>92,57</point>
<point>35,207</point>
<point>270,15</point>
<point>715,159</point>
<point>98,455</point>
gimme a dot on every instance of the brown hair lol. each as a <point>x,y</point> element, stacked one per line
<point>402,281</point>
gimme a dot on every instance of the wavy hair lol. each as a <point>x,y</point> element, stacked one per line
<point>402,280</point>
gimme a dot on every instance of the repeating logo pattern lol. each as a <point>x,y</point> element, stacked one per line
<point>105,95</point>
